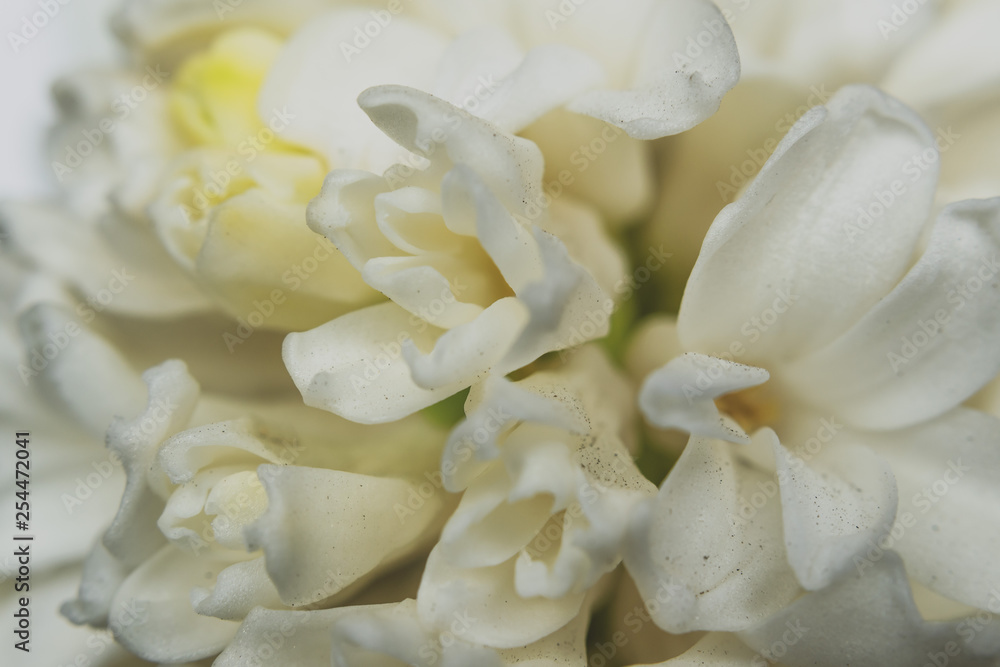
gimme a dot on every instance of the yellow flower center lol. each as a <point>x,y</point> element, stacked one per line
<point>213,98</point>
<point>232,205</point>
<point>751,408</point>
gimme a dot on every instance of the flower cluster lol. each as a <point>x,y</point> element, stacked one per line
<point>450,333</point>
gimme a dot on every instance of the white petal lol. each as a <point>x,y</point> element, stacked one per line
<point>353,366</point>
<point>325,116</point>
<point>328,523</point>
<point>954,60</point>
<point>948,472</point>
<point>617,180</point>
<point>833,509</point>
<point>133,536</point>
<point>238,589</point>
<point>408,281</point>
<point>706,549</point>
<point>567,307</point>
<point>78,368</point>
<point>799,246</point>
<point>876,611</point>
<point>296,638</point>
<point>546,514</point>
<point>167,25</point>
<point>346,212</point>
<point>510,166</point>
<point>497,615</point>
<point>549,77</point>
<point>469,351</point>
<point>471,63</point>
<point>102,575</point>
<point>681,395</point>
<point>117,266</point>
<point>672,86</point>
<point>501,403</point>
<point>928,345</point>
<point>153,616</point>
<point>585,235</point>
<point>369,635</point>
<point>509,244</point>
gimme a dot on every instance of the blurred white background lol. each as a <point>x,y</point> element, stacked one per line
<point>76,36</point>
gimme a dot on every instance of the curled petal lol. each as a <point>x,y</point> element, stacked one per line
<point>326,529</point>
<point>833,509</point>
<point>680,395</point>
<point>703,556</point>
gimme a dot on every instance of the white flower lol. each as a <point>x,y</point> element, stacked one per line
<point>547,476</point>
<point>479,278</point>
<point>871,341</point>
<point>386,633</point>
<point>73,484</point>
<point>936,56</point>
<point>181,565</point>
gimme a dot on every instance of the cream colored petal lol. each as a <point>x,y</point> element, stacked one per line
<point>116,265</point>
<point>485,596</point>
<point>132,536</point>
<point>78,369</point>
<point>323,523</point>
<point>354,366</point>
<point>238,590</point>
<point>327,118</point>
<point>672,86</point>
<point>930,343</point>
<point>153,615</point>
<point>510,167</point>
<point>833,508</point>
<point>764,277</point>
<point>707,552</point>
<point>466,353</point>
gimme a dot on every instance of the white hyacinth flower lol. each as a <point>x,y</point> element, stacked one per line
<point>290,508</point>
<point>480,279</point>
<point>815,309</point>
